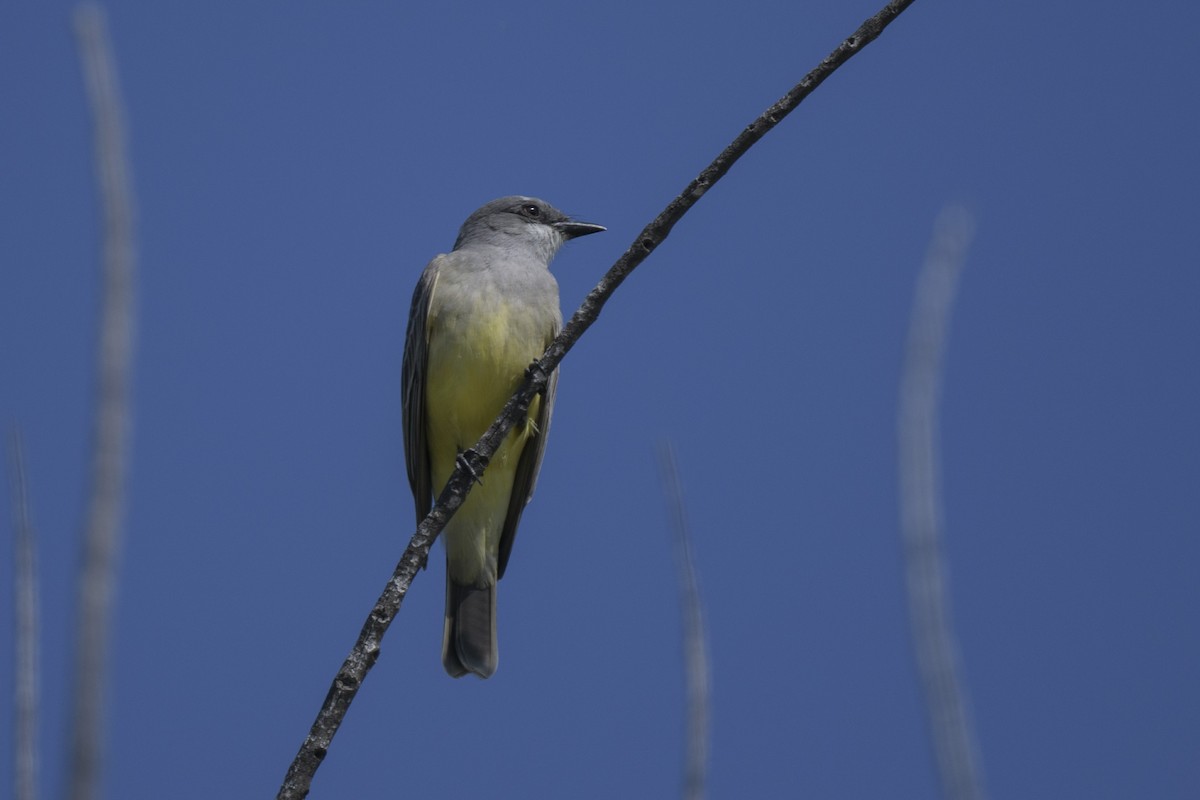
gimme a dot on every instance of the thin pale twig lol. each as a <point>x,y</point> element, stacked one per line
<point>25,623</point>
<point>695,635</point>
<point>105,505</point>
<point>954,746</point>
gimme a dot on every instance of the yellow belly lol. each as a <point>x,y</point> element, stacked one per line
<point>474,365</point>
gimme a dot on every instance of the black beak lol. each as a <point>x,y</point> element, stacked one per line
<point>573,230</point>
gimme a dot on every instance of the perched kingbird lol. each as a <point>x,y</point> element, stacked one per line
<point>480,316</point>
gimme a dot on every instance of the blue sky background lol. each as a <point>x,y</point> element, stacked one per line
<point>297,164</point>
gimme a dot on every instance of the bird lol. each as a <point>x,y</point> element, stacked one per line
<point>480,316</point>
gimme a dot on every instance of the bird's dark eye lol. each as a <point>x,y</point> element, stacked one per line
<point>532,210</point>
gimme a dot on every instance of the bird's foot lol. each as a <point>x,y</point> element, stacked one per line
<point>472,463</point>
<point>534,372</point>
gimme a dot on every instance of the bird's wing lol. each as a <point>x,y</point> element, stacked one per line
<point>528,466</point>
<point>416,352</point>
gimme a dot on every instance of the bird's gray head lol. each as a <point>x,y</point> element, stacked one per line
<point>517,221</point>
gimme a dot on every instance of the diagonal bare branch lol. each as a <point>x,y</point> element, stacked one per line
<point>695,635</point>
<point>25,624</point>
<point>934,645</point>
<point>102,533</point>
<point>362,657</point>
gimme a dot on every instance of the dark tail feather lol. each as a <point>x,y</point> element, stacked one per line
<point>469,638</point>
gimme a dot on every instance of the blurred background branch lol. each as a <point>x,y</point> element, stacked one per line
<point>25,624</point>
<point>934,645</point>
<point>695,637</point>
<point>105,504</point>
